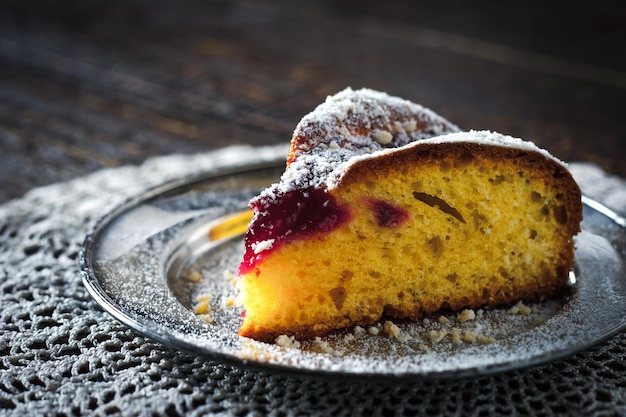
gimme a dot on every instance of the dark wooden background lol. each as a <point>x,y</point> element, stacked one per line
<point>92,84</point>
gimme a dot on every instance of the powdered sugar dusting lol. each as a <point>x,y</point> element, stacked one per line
<point>357,125</point>
<point>483,137</point>
<point>348,124</point>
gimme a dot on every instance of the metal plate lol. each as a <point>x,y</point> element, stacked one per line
<point>149,262</point>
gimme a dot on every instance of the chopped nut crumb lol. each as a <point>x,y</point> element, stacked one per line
<point>485,340</point>
<point>288,342</point>
<point>403,337</point>
<point>230,302</point>
<point>455,336</point>
<point>373,330</point>
<point>206,318</point>
<point>391,329</point>
<point>525,310</point>
<point>202,305</point>
<point>520,308</point>
<point>358,330</point>
<point>201,308</point>
<point>383,137</point>
<point>443,320</point>
<point>192,276</point>
<point>469,337</point>
<point>410,126</point>
<point>466,315</point>
<point>349,337</point>
<point>322,346</point>
<point>437,336</point>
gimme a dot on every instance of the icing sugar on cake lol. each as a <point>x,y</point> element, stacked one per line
<point>351,123</point>
<point>355,125</point>
<point>483,137</point>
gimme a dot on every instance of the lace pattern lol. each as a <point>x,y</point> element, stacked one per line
<point>61,355</point>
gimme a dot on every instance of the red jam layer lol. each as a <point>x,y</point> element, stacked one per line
<point>295,215</point>
<point>387,214</point>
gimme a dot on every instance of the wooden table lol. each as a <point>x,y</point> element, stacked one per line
<point>86,85</point>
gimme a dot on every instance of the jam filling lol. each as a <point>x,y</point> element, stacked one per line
<point>387,214</point>
<point>295,215</point>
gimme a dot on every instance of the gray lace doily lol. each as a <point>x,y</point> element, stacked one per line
<point>61,355</point>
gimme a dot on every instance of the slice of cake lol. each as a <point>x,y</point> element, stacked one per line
<point>386,209</point>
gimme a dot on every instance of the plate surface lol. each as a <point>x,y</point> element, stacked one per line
<point>151,265</point>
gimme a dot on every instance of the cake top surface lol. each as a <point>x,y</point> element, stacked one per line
<point>482,137</point>
<point>364,121</point>
<point>348,124</point>
<point>355,125</point>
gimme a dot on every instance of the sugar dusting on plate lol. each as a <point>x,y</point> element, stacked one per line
<point>137,289</point>
<point>426,344</point>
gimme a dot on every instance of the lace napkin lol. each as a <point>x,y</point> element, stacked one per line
<point>62,355</point>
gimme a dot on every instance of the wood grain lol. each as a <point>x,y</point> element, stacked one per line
<point>87,85</point>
